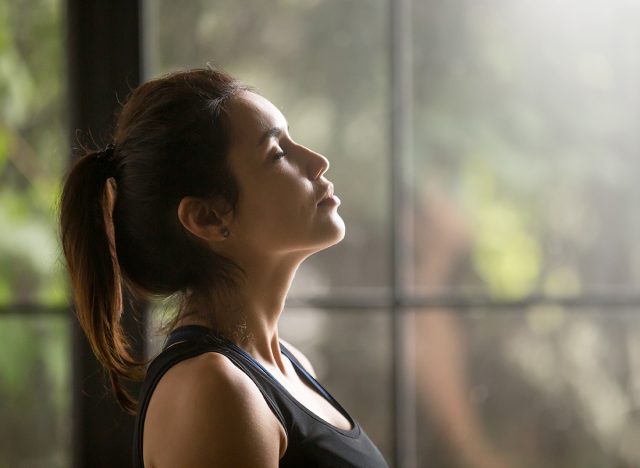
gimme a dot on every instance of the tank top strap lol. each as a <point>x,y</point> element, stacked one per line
<point>211,341</point>
<point>186,342</point>
<point>311,441</point>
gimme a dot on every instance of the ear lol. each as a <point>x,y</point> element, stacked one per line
<point>206,219</point>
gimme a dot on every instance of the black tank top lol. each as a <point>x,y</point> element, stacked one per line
<point>312,442</point>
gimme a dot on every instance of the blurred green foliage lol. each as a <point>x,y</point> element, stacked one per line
<point>33,150</point>
<point>35,358</point>
<point>34,391</point>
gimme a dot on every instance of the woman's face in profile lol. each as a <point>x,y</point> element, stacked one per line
<point>281,184</point>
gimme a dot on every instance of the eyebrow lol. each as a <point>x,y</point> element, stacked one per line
<point>272,132</point>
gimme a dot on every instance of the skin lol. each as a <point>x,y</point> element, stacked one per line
<point>206,412</point>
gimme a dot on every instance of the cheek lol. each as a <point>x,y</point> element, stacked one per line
<point>279,206</point>
<point>285,206</point>
<point>276,204</point>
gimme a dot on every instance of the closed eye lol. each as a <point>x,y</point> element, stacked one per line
<point>282,152</point>
<point>279,155</point>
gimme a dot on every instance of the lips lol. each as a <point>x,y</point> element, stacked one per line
<point>327,194</point>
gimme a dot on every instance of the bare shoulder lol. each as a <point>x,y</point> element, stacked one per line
<point>300,357</point>
<point>206,412</point>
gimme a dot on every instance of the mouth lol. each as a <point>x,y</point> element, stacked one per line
<point>327,194</point>
<point>329,198</point>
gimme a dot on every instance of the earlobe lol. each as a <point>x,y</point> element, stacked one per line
<point>200,218</point>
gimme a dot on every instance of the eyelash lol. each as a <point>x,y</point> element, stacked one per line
<point>279,155</point>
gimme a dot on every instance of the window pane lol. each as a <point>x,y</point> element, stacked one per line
<point>545,386</point>
<point>324,65</point>
<point>526,146</point>
<point>33,150</point>
<point>35,393</point>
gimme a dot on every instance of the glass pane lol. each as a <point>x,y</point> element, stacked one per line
<point>526,146</point>
<point>35,390</point>
<point>33,150</point>
<point>545,386</point>
<point>324,65</point>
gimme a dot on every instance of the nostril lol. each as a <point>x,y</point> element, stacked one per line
<point>321,170</point>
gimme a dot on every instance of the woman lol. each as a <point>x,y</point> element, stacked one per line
<point>204,196</point>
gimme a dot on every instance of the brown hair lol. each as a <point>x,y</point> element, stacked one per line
<point>171,140</point>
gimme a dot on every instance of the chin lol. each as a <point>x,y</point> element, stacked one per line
<point>322,237</point>
<point>342,232</point>
<point>329,237</point>
<point>337,234</point>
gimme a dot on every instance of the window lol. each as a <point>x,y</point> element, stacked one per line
<point>483,308</point>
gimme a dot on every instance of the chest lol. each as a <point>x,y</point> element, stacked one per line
<point>308,396</point>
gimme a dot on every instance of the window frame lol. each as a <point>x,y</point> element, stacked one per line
<point>105,53</point>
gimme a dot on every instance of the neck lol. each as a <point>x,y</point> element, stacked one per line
<point>251,319</point>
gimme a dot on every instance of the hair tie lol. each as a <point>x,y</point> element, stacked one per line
<point>107,152</point>
<point>105,157</point>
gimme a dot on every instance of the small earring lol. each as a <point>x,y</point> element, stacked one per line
<point>225,233</point>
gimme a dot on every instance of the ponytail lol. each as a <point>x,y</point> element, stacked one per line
<point>172,136</point>
<point>88,241</point>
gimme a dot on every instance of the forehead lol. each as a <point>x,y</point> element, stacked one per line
<point>250,115</point>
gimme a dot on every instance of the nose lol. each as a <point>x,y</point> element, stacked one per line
<point>317,164</point>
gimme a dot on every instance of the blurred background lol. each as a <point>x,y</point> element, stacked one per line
<point>482,311</point>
